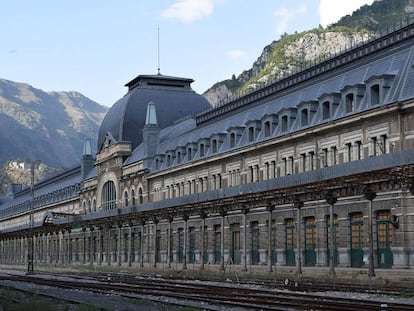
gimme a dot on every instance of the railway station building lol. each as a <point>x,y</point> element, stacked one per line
<point>315,169</point>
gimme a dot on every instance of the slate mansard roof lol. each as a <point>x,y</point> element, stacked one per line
<point>173,97</point>
<point>386,62</point>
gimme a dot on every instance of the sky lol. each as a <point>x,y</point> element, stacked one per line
<point>96,46</point>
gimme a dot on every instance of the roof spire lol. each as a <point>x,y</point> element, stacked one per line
<point>159,70</point>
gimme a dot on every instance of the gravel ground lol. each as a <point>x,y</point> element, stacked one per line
<point>106,302</point>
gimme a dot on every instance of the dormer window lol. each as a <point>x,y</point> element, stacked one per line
<point>375,94</point>
<point>251,133</point>
<point>232,140</point>
<point>234,135</point>
<point>284,123</point>
<point>304,117</point>
<point>190,153</point>
<point>169,160</point>
<point>349,103</point>
<point>214,145</point>
<point>328,104</point>
<point>267,130</point>
<point>157,164</point>
<point>201,150</point>
<point>178,156</point>
<point>378,87</point>
<point>253,129</point>
<point>216,140</point>
<point>307,110</point>
<point>352,96</point>
<point>326,110</point>
<point>269,123</point>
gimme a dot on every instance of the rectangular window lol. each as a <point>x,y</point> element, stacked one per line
<point>312,160</point>
<point>325,157</point>
<point>374,146</point>
<point>303,155</point>
<point>292,165</point>
<point>383,144</point>
<point>333,155</point>
<point>273,163</point>
<point>349,151</point>
<point>359,149</point>
<point>285,166</point>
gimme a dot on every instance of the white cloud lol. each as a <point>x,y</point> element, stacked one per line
<point>285,15</point>
<point>187,11</point>
<point>237,54</point>
<point>330,11</point>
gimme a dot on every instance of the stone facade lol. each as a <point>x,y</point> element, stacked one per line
<point>320,161</point>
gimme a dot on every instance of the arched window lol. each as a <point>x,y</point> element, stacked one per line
<point>126,198</point>
<point>140,196</point>
<point>133,197</point>
<point>89,206</point>
<point>94,205</point>
<point>108,195</point>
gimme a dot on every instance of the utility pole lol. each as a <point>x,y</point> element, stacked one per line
<point>30,249</point>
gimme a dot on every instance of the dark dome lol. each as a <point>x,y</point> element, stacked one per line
<point>173,98</point>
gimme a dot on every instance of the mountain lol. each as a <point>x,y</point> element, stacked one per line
<point>293,52</point>
<point>46,126</point>
<point>381,16</point>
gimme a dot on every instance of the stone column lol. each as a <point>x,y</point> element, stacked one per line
<point>91,245</point>
<point>119,247</point>
<point>142,242</point>
<point>331,201</point>
<point>83,245</point>
<point>269,242</point>
<point>62,247</point>
<point>245,211</point>
<point>203,247</point>
<point>130,245</point>
<point>370,196</point>
<point>223,214</point>
<point>69,246</point>
<point>185,217</point>
<point>99,242</point>
<point>298,206</point>
<point>47,248</point>
<point>109,248</point>
<point>155,241</point>
<point>169,236</point>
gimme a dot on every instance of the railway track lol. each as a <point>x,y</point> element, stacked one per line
<point>207,294</point>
